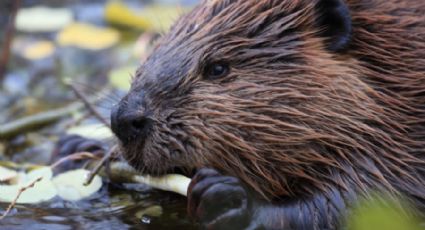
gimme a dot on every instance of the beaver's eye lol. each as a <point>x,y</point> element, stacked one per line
<point>216,70</point>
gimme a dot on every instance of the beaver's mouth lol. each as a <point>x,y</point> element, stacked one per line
<point>134,155</point>
<point>142,141</point>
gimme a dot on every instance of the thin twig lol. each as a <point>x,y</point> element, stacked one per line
<point>74,156</point>
<point>21,190</point>
<point>88,104</point>
<point>99,165</point>
<point>10,30</point>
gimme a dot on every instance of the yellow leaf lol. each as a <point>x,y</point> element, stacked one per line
<point>87,36</point>
<point>118,13</point>
<point>156,18</point>
<point>39,50</point>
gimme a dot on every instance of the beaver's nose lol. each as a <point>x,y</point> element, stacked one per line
<point>129,121</point>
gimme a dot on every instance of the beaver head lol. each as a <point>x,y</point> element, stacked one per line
<point>287,95</point>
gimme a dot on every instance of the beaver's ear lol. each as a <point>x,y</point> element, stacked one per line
<point>335,20</point>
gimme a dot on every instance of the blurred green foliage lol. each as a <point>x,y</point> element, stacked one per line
<point>382,212</point>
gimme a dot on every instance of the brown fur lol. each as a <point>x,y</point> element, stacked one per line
<point>292,118</point>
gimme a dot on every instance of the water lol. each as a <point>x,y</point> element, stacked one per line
<point>113,208</point>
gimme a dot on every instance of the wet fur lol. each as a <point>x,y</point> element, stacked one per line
<point>293,120</point>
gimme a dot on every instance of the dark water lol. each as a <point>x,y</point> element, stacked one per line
<point>112,208</point>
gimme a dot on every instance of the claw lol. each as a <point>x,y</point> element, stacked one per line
<point>217,201</point>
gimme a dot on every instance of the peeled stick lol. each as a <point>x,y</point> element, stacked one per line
<point>171,182</point>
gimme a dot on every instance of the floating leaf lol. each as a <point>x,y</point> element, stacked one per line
<point>42,191</point>
<point>70,185</point>
<point>92,131</point>
<point>39,50</point>
<point>7,175</point>
<point>43,19</point>
<point>121,77</point>
<point>87,36</point>
<point>45,172</point>
<point>156,18</point>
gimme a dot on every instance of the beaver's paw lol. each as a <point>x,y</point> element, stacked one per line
<point>70,144</point>
<point>218,202</point>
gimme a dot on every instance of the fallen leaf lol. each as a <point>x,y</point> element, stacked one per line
<point>42,191</point>
<point>118,13</point>
<point>155,18</point>
<point>39,50</point>
<point>91,131</point>
<point>43,19</point>
<point>7,175</point>
<point>87,36</point>
<point>70,185</point>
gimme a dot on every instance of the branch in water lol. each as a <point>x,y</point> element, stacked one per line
<point>32,122</point>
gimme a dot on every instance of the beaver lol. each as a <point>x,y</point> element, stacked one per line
<point>285,112</point>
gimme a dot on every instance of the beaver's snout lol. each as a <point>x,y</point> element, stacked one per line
<point>129,119</point>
